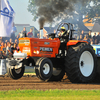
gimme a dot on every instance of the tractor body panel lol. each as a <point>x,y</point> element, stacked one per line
<point>35,47</point>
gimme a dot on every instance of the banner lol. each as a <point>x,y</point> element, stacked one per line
<point>6,18</point>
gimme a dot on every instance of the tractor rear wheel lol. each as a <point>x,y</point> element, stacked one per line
<point>57,74</point>
<point>80,63</point>
<point>44,69</point>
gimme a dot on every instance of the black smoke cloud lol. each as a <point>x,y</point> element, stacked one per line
<point>48,10</point>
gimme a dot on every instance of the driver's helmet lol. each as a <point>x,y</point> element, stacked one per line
<point>63,29</point>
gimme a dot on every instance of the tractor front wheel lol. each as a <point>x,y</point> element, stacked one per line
<point>44,69</point>
<point>15,73</point>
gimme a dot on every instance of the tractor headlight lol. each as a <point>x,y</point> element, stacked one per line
<point>36,52</point>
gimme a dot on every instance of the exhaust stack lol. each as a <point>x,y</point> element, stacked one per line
<point>41,33</point>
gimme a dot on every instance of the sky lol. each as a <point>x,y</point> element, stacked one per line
<point>22,16</point>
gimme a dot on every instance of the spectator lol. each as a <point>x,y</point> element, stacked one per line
<point>10,40</point>
<point>89,35</point>
<point>82,33</point>
<point>94,38</point>
<point>88,39</point>
<point>13,48</point>
<point>9,54</point>
<point>54,31</point>
<point>4,50</point>
<point>18,36</point>
<point>14,30</point>
<point>2,39</point>
<point>17,47</point>
<point>38,35</point>
<point>91,42</point>
<point>23,33</point>
<point>98,37</point>
<point>46,36</point>
<point>2,46</point>
<point>16,41</point>
<point>85,38</point>
<point>80,38</point>
<point>6,41</point>
<point>95,42</point>
<point>30,34</point>
<point>8,46</point>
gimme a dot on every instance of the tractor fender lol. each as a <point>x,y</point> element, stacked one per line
<point>74,42</point>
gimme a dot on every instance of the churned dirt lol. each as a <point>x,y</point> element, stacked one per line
<point>32,82</point>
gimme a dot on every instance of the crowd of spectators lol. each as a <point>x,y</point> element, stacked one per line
<point>7,48</point>
<point>95,39</point>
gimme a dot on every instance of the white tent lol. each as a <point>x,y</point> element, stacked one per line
<point>96,27</point>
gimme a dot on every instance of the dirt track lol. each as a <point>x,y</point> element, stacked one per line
<point>32,82</point>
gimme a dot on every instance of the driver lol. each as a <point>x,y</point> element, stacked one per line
<point>62,30</point>
<point>63,36</point>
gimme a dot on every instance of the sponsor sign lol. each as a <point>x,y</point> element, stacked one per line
<point>46,49</point>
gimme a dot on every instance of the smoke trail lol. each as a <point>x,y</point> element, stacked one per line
<point>41,22</point>
<point>48,10</point>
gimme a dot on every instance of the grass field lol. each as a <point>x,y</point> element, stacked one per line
<point>50,94</point>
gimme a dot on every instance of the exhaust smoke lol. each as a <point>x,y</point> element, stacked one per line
<point>48,10</point>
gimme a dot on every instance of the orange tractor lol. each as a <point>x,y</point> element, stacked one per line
<point>78,59</point>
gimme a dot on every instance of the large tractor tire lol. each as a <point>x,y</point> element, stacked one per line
<point>36,68</point>
<point>44,69</point>
<point>80,63</point>
<point>57,74</point>
<point>15,73</point>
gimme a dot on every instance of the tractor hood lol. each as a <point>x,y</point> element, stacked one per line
<point>39,47</point>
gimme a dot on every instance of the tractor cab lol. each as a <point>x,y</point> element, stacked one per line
<point>64,33</point>
<point>69,30</point>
